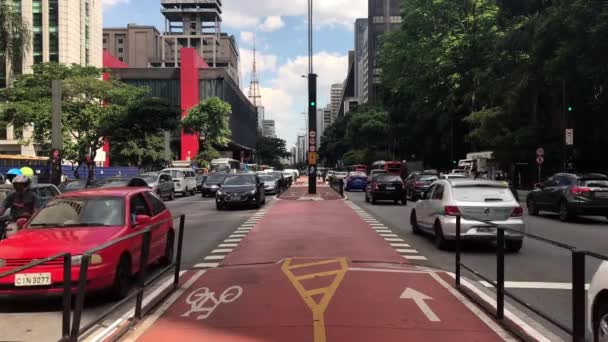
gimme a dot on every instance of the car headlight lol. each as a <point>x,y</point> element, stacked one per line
<point>214,187</point>
<point>2,262</point>
<point>220,193</point>
<point>96,259</point>
<point>252,192</point>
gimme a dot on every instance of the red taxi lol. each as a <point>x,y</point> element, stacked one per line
<point>77,222</point>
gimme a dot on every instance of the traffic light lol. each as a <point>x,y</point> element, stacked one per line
<point>312,93</point>
<point>313,104</point>
<point>570,108</point>
<point>454,162</point>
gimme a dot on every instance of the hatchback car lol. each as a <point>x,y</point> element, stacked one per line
<point>212,184</point>
<point>476,202</point>
<point>385,187</point>
<point>161,184</point>
<point>355,181</point>
<point>571,195</point>
<point>77,222</point>
<point>243,189</point>
<point>272,183</point>
<point>597,305</point>
<point>418,183</point>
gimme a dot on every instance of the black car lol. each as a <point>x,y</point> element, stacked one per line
<point>385,187</point>
<point>272,183</point>
<point>200,180</point>
<point>212,184</point>
<point>571,195</point>
<point>243,189</point>
<point>418,183</point>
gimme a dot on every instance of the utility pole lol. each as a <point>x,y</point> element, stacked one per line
<point>56,136</point>
<point>312,109</point>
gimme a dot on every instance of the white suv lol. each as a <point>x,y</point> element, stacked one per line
<point>184,180</point>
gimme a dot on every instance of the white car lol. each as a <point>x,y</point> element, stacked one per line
<point>453,176</point>
<point>597,305</point>
<point>476,201</point>
<point>184,180</point>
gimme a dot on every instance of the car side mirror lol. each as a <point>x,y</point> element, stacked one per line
<point>142,219</point>
<point>21,222</point>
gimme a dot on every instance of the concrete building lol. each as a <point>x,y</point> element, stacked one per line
<point>361,60</point>
<point>261,117</point>
<point>135,45</point>
<point>383,16</point>
<point>64,31</point>
<point>335,99</point>
<point>301,145</point>
<point>269,129</point>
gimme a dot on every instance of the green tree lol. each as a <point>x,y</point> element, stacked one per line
<point>210,122</point>
<point>15,35</point>
<point>271,150</point>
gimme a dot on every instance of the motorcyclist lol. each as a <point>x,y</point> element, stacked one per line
<point>22,203</point>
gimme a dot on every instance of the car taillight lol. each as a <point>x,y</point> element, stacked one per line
<point>517,212</point>
<point>452,210</point>
<point>579,190</point>
<point>375,186</point>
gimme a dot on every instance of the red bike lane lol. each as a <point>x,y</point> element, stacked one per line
<point>315,271</point>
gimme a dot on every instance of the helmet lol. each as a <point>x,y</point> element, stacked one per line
<point>22,180</point>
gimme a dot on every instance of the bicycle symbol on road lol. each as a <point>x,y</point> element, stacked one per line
<point>205,301</point>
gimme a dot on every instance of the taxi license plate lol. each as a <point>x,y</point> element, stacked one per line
<point>390,188</point>
<point>486,230</point>
<point>234,199</point>
<point>32,279</point>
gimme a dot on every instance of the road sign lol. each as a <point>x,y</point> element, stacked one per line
<point>540,151</point>
<point>313,141</point>
<point>540,160</point>
<point>312,158</point>
<point>312,148</point>
<point>313,134</point>
<point>570,136</point>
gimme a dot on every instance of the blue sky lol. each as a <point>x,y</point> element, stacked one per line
<point>279,27</point>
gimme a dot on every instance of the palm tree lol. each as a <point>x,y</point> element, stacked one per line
<point>15,35</point>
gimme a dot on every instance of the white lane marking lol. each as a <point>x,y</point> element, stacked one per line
<point>407,251</point>
<point>492,302</point>
<point>102,335</point>
<point>394,239</point>
<point>221,250</point>
<point>377,225</point>
<point>233,240</point>
<point>242,231</point>
<point>215,257</point>
<point>156,314</point>
<point>237,236</point>
<point>383,231</point>
<point>420,299</point>
<point>389,235</point>
<point>534,285</point>
<point>206,265</point>
<point>399,245</point>
<point>415,257</point>
<point>362,269</point>
<point>228,245</point>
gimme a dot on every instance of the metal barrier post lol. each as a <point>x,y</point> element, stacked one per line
<point>342,187</point>
<point>500,274</point>
<point>141,281</point>
<point>578,296</point>
<point>67,295</point>
<point>78,307</point>
<point>178,258</point>
<point>458,247</point>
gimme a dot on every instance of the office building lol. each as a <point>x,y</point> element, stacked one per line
<point>383,16</point>
<point>361,60</point>
<point>335,99</point>
<point>261,118</point>
<point>301,145</point>
<point>63,31</point>
<point>269,130</point>
<point>136,45</point>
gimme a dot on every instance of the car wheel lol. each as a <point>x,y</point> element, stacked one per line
<point>532,207</point>
<point>122,279</point>
<point>257,204</point>
<point>185,193</point>
<point>366,198</point>
<point>414,223</point>
<point>404,201</point>
<point>440,241</point>
<point>193,192</point>
<point>396,201</point>
<point>167,257</point>
<point>564,212</point>
<point>600,321</point>
<point>172,196</point>
<point>374,202</point>
<point>514,246</point>
<point>219,206</point>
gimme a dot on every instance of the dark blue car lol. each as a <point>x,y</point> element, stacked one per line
<point>355,181</point>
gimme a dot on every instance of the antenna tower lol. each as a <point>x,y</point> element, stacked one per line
<point>255,96</point>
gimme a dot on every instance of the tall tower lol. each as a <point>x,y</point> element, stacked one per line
<point>255,95</point>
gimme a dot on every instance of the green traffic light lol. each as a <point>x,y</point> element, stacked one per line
<point>313,104</point>
<point>570,108</point>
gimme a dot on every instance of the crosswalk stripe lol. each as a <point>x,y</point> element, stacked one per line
<point>215,257</point>
<point>228,245</point>
<point>383,231</point>
<point>206,265</point>
<point>222,250</point>
<point>407,251</point>
<point>415,257</point>
<point>233,240</point>
<point>389,235</point>
<point>237,236</point>
<point>394,239</point>
<point>400,245</point>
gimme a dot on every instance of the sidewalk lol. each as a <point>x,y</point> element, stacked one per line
<point>299,191</point>
<point>317,271</point>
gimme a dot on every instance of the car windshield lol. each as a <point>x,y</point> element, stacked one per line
<point>240,180</point>
<point>174,173</point>
<point>357,174</point>
<point>482,194</point>
<point>426,178</point>
<point>149,179</point>
<point>216,178</point>
<point>388,178</point>
<point>80,212</point>
<point>268,177</point>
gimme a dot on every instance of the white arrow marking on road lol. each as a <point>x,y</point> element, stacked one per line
<point>419,298</point>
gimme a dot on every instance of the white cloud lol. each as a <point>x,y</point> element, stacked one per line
<point>247,37</point>
<point>272,23</point>
<point>265,63</point>
<point>110,3</point>
<point>249,14</point>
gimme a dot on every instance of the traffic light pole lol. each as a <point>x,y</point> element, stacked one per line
<point>312,109</point>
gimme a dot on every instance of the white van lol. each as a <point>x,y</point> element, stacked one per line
<point>184,180</point>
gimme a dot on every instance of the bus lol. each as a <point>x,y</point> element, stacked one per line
<point>392,167</point>
<point>225,165</point>
<point>357,168</point>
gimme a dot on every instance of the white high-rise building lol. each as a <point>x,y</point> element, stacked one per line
<point>336,99</point>
<point>269,129</point>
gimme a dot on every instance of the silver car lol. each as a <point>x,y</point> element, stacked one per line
<point>476,201</point>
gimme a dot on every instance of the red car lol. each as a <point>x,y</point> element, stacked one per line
<point>77,222</point>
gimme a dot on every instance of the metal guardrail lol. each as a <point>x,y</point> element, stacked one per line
<point>337,184</point>
<point>577,331</point>
<point>67,282</point>
<point>76,329</point>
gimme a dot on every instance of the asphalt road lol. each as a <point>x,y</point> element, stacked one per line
<point>542,264</point>
<point>39,319</point>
